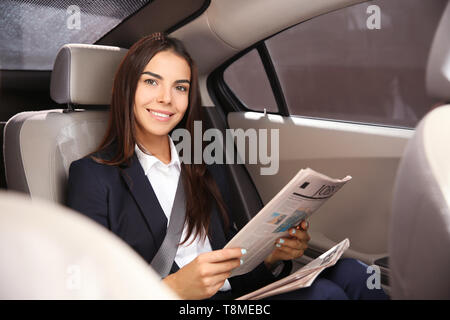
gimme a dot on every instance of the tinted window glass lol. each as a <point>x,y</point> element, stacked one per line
<point>248,81</point>
<point>341,66</point>
<point>32,31</point>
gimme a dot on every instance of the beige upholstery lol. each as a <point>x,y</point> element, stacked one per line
<point>438,68</point>
<point>84,74</point>
<point>40,146</point>
<point>51,252</point>
<point>420,223</point>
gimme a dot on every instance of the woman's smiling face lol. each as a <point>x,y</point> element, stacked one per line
<point>162,95</point>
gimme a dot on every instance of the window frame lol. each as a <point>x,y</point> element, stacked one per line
<point>221,94</point>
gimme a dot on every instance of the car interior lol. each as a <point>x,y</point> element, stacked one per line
<point>348,98</point>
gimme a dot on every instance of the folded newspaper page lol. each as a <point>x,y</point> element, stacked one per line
<point>297,201</point>
<point>303,277</point>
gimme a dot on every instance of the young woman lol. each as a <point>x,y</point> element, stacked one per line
<point>129,184</point>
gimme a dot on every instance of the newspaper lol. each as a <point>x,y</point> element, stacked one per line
<point>303,195</point>
<point>303,277</point>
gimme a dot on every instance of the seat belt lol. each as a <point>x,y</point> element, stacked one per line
<point>163,260</point>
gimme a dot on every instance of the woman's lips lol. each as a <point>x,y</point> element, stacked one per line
<point>163,116</point>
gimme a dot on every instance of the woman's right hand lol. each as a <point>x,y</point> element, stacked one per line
<point>205,275</point>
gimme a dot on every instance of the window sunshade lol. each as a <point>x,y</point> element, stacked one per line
<point>32,31</point>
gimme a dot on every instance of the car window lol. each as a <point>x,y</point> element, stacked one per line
<point>364,63</point>
<point>248,81</point>
<point>32,31</point>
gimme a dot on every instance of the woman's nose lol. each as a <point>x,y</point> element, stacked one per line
<point>164,95</point>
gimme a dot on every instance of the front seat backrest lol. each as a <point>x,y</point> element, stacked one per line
<point>40,146</point>
<point>51,252</point>
<point>420,223</point>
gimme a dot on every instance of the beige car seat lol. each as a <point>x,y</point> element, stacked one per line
<point>40,146</point>
<point>419,244</point>
<point>51,252</point>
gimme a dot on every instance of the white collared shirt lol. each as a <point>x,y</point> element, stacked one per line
<point>164,180</point>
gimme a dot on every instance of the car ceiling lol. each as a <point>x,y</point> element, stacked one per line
<point>219,30</point>
<point>230,26</point>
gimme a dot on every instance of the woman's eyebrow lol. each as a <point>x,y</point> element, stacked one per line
<point>157,76</point>
<point>153,74</point>
<point>183,81</point>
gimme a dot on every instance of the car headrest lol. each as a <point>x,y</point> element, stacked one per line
<point>438,68</point>
<point>83,74</point>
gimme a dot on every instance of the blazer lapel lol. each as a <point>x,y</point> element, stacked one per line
<point>145,197</point>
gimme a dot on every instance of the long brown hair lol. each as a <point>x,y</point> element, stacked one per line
<point>199,186</point>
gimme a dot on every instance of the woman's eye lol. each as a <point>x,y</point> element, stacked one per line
<point>182,88</point>
<point>151,82</point>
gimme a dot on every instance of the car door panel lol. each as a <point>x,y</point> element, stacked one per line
<point>370,154</point>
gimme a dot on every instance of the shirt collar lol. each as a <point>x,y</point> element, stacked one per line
<point>147,160</point>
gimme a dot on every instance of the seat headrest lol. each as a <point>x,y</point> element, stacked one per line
<point>438,68</point>
<point>84,74</point>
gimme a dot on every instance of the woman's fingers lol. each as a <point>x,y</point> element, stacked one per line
<point>299,234</point>
<point>292,243</point>
<point>227,266</point>
<point>290,247</point>
<point>219,261</point>
<point>304,225</point>
<point>291,253</point>
<point>202,277</point>
<point>293,247</point>
<point>222,255</point>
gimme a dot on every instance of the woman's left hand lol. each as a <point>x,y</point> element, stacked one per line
<point>291,247</point>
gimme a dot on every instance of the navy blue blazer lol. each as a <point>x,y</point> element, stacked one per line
<point>122,200</point>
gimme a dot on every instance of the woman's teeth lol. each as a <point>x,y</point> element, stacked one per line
<point>160,114</point>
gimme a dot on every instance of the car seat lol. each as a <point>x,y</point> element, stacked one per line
<point>420,222</point>
<point>51,252</point>
<point>40,146</point>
